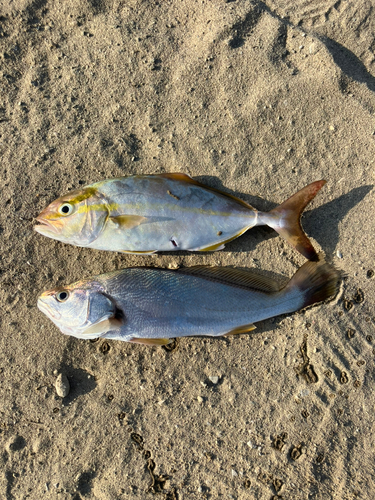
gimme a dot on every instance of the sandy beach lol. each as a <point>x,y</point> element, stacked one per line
<point>257,99</point>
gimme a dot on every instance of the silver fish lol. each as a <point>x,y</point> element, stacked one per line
<point>145,214</point>
<point>151,305</point>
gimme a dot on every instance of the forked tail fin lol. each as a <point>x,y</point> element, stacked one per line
<point>316,281</point>
<point>285,219</point>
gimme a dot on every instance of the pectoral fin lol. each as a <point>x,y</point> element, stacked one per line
<point>126,221</point>
<point>136,340</point>
<point>241,329</point>
<point>104,326</point>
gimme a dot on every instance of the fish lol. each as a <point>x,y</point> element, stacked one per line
<point>145,214</point>
<point>151,306</point>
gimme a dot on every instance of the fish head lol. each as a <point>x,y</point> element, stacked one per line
<point>77,218</point>
<point>79,310</point>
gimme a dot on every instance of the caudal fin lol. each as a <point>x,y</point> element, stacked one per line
<point>316,281</point>
<point>285,219</point>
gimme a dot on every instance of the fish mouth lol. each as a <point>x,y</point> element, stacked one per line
<point>48,311</point>
<point>45,227</point>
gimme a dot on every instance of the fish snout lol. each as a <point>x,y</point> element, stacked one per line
<point>45,307</point>
<point>46,224</point>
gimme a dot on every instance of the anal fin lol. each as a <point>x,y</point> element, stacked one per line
<point>213,248</point>
<point>221,244</point>
<point>136,340</point>
<point>139,252</point>
<point>242,329</point>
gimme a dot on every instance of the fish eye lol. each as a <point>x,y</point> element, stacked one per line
<point>62,296</point>
<point>66,209</point>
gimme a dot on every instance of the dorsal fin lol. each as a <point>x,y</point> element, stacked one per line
<point>236,277</point>
<point>186,178</point>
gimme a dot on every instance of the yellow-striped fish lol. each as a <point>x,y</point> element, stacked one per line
<point>149,305</point>
<point>145,214</point>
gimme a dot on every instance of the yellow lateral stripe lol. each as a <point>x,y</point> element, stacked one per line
<point>97,206</point>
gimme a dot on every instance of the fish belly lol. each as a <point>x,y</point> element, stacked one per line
<point>178,216</point>
<point>160,303</point>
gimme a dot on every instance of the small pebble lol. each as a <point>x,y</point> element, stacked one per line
<point>214,380</point>
<point>314,48</point>
<point>200,399</point>
<point>62,385</point>
<point>173,265</point>
<point>339,254</point>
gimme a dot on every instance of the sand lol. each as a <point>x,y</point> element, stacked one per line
<point>255,98</point>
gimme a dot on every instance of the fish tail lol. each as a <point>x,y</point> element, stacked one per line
<point>285,219</point>
<point>316,281</point>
